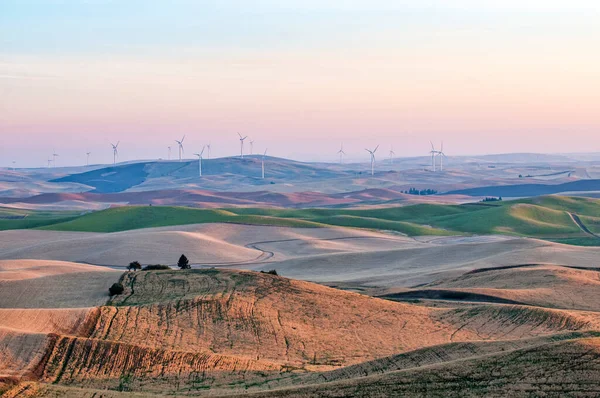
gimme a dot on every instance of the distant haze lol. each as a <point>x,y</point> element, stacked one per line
<point>298,77</point>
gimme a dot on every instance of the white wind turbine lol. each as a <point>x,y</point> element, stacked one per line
<point>200,160</point>
<point>372,159</point>
<point>433,153</point>
<point>208,150</point>
<point>115,152</point>
<point>442,155</point>
<point>54,156</point>
<point>242,145</point>
<point>392,154</point>
<point>341,153</point>
<point>251,147</point>
<point>263,164</point>
<point>49,162</point>
<point>180,144</point>
<point>169,153</point>
<point>87,159</point>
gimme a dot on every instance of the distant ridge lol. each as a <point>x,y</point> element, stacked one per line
<point>208,199</point>
<point>523,190</point>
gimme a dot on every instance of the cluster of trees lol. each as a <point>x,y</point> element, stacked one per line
<point>118,288</point>
<point>498,199</point>
<point>415,191</point>
<point>182,263</point>
<point>271,272</point>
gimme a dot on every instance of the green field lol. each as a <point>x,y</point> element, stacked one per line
<point>543,217</point>
<point>26,219</point>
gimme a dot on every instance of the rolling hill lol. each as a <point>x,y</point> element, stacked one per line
<point>161,175</point>
<point>563,219</point>
<point>220,332</point>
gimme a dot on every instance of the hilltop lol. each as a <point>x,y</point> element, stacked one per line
<point>217,332</point>
<point>220,330</point>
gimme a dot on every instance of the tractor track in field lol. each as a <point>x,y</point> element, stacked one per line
<point>581,225</point>
<point>266,255</point>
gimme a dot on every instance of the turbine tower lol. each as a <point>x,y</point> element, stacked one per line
<point>372,159</point>
<point>251,147</point>
<point>263,164</point>
<point>442,155</point>
<point>115,152</point>
<point>200,160</point>
<point>180,144</point>
<point>208,150</point>
<point>242,145</point>
<point>169,153</point>
<point>433,152</point>
<point>54,156</point>
<point>341,153</point>
<point>87,160</point>
<point>392,154</point>
<point>49,162</point>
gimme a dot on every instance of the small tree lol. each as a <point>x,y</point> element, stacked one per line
<point>116,288</point>
<point>134,266</point>
<point>183,262</point>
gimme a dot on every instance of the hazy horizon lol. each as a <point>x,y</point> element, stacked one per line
<point>298,78</point>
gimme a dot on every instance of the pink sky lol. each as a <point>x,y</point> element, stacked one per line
<point>488,85</point>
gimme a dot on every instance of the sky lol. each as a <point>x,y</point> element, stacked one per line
<point>297,77</point>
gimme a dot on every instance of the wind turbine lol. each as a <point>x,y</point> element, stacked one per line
<point>442,155</point>
<point>54,156</point>
<point>87,161</point>
<point>263,164</point>
<point>180,144</point>
<point>341,153</point>
<point>169,153</point>
<point>433,152</point>
<point>115,152</point>
<point>372,159</point>
<point>200,160</point>
<point>49,162</point>
<point>392,153</point>
<point>242,145</point>
<point>208,150</point>
<point>251,147</point>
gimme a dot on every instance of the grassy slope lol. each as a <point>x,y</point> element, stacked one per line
<point>25,219</point>
<point>136,217</point>
<point>545,217</point>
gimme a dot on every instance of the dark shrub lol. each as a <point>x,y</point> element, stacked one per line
<point>134,266</point>
<point>116,288</point>
<point>155,267</point>
<point>183,262</point>
<point>271,272</point>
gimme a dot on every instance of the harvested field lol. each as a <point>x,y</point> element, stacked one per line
<point>53,284</point>
<point>223,331</point>
<point>541,285</point>
<point>566,368</point>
